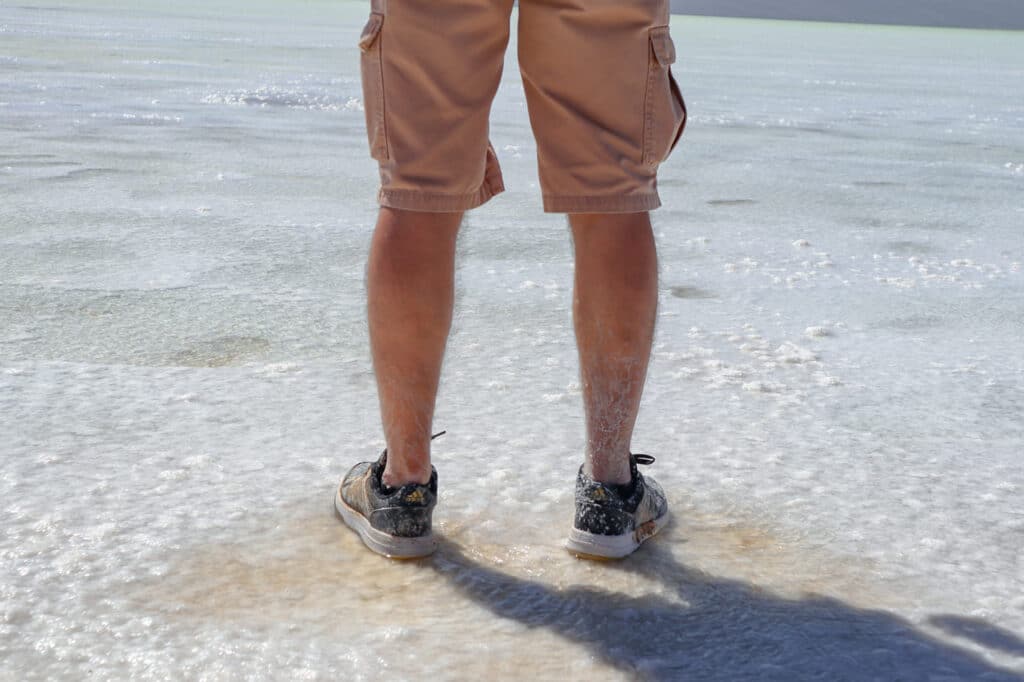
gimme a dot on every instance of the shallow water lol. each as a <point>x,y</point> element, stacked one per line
<point>186,200</point>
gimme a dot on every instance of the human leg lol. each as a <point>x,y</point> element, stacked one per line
<point>615,299</point>
<point>614,302</point>
<point>430,69</point>
<point>606,111</point>
<point>410,290</point>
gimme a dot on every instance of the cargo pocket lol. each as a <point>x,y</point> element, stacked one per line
<point>372,70</point>
<point>664,108</point>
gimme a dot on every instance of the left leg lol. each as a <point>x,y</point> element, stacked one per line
<point>615,297</point>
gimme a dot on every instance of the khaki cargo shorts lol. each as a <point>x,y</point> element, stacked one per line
<point>603,104</point>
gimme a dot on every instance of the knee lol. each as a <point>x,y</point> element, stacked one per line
<point>613,237</point>
<point>402,220</point>
<point>417,232</point>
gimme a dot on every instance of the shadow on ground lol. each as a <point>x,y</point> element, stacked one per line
<point>722,629</point>
<point>979,631</point>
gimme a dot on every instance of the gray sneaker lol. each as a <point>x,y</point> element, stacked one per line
<point>395,522</point>
<point>612,520</point>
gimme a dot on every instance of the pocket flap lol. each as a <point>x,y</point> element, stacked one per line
<point>371,31</point>
<point>664,48</point>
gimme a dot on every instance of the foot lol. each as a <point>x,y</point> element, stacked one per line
<point>394,522</point>
<point>613,520</point>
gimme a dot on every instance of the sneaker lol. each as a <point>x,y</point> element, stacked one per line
<point>612,520</point>
<point>395,522</point>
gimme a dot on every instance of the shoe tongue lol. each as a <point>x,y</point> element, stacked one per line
<point>377,472</point>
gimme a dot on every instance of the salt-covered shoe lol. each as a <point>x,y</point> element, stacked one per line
<point>612,520</point>
<point>395,522</point>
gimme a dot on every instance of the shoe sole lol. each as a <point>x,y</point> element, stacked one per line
<point>390,546</point>
<point>602,547</point>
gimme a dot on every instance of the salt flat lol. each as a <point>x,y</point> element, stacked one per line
<point>186,199</point>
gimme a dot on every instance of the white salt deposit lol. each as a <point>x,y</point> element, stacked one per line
<point>834,400</point>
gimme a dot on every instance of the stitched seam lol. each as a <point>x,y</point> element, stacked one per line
<point>602,197</point>
<point>380,98</point>
<point>373,77</point>
<point>648,108</point>
<point>417,199</point>
<point>429,195</point>
<point>615,202</point>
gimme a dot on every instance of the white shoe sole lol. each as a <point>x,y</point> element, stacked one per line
<point>389,545</point>
<point>589,545</point>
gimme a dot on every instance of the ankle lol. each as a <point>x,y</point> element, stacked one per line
<point>396,477</point>
<point>610,473</point>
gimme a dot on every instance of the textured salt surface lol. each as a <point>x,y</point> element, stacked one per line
<point>834,399</point>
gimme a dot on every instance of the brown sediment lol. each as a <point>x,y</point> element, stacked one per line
<point>313,562</point>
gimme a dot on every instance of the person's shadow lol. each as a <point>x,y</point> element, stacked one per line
<point>720,629</point>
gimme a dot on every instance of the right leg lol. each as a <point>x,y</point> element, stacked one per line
<point>615,297</point>
<point>410,293</point>
<point>606,111</point>
<point>614,303</point>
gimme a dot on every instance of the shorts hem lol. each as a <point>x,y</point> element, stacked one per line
<point>416,200</point>
<point>622,203</point>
